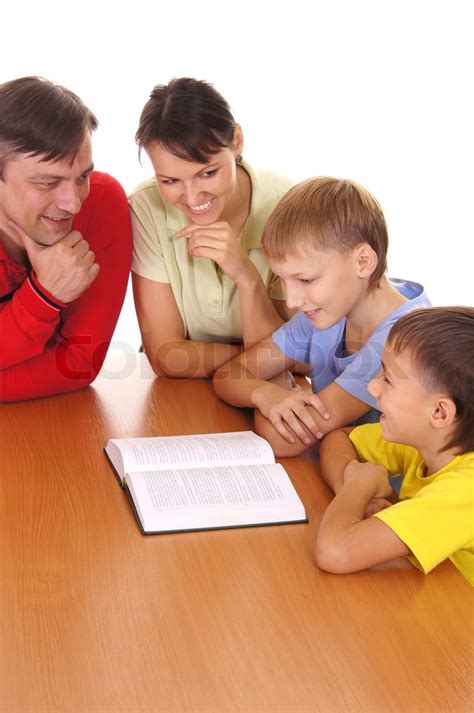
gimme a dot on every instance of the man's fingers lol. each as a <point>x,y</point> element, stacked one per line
<point>94,271</point>
<point>80,248</point>
<point>73,239</point>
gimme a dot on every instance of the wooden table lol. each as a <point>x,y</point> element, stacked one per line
<point>96,617</point>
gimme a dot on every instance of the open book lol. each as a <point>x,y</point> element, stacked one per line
<point>204,482</point>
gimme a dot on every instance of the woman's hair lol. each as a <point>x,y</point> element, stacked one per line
<point>188,117</point>
<point>440,345</point>
<point>327,214</point>
<point>40,118</point>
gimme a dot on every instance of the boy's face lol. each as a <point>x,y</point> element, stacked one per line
<point>405,403</point>
<point>323,284</point>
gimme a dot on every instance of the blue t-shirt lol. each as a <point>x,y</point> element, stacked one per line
<point>323,349</point>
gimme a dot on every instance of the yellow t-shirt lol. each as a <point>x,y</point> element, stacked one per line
<point>435,515</point>
<point>207,298</point>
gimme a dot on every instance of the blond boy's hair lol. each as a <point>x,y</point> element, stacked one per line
<point>327,214</point>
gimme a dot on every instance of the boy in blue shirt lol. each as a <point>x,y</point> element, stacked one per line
<point>327,241</point>
<point>426,433</point>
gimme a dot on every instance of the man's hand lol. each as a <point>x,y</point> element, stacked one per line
<point>65,269</point>
<point>289,409</point>
<point>370,475</point>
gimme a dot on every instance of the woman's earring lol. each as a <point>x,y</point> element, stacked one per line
<point>239,159</point>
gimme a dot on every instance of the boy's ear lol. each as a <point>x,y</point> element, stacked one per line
<point>367,259</point>
<point>238,140</point>
<point>443,413</point>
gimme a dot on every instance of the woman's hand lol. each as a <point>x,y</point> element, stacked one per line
<point>217,242</point>
<point>290,409</point>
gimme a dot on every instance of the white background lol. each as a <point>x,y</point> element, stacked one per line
<point>375,90</point>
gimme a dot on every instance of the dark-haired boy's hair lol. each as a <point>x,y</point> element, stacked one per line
<point>440,345</point>
<point>188,117</point>
<point>40,118</point>
<point>327,214</point>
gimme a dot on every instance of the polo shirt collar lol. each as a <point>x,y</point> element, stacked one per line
<point>12,273</point>
<point>253,228</point>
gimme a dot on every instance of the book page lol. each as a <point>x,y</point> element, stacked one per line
<point>181,452</point>
<point>202,498</point>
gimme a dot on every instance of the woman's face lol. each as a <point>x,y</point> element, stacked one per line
<point>203,192</point>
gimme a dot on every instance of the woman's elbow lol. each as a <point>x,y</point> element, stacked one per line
<point>171,360</point>
<point>219,381</point>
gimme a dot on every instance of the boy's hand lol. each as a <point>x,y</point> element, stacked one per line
<point>64,269</point>
<point>374,477</point>
<point>288,413</point>
<point>376,505</point>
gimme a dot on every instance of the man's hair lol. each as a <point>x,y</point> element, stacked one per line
<point>40,118</point>
<point>188,117</point>
<point>327,214</point>
<point>440,345</point>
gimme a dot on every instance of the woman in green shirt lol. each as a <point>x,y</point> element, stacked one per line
<point>202,286</point>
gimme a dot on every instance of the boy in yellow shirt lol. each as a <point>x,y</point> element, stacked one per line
<point>426,395</point>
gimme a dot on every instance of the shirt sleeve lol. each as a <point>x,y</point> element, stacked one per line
<point>79,338</point>
<point>148,221</point>
<point>364,367</point>
<point>294,338</point>
<point>436,522</point>
<point>27,321</point>
<point>372,448</point>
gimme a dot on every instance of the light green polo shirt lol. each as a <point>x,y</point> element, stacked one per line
<point>206,297</point>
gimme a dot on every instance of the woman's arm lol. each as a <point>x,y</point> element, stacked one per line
<point>260,315</point>
<point>164,338</point>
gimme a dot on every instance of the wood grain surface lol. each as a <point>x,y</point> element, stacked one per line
<point>97,618</point>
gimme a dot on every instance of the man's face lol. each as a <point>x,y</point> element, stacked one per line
<point>42,197</point>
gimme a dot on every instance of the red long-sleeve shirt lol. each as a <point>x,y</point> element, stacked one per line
<point>48,348</point>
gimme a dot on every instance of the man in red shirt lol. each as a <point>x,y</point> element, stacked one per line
<point>65,243</point>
